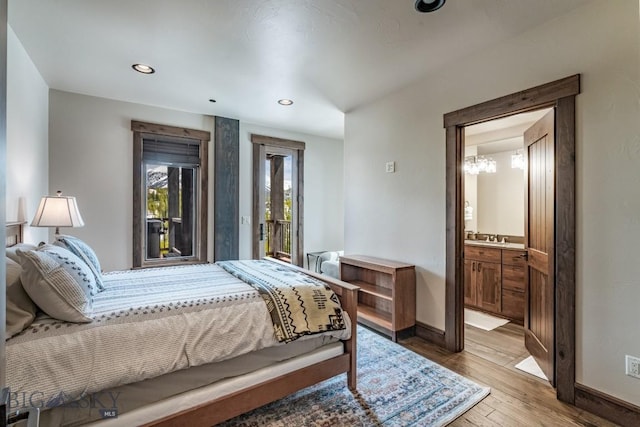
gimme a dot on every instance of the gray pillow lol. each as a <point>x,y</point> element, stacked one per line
<point>59,282</point>
<point>84,252</point>
<point>20,308</point>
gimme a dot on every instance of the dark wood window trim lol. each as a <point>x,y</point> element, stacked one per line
<point>140,129</point>
<point>561,95</point>
<point>299,146</point>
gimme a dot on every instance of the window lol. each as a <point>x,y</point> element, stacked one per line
<point>170,179</point>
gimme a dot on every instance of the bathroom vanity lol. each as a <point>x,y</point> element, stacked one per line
<point>494,278</point>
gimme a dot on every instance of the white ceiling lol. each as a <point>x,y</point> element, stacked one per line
<point>329,56</point>
<point>506,134</point>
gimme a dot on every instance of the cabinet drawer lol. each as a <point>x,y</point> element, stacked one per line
<point>513,304</point>
<point>480,253</point>
<point>513,277</point>
<point>513,257</point>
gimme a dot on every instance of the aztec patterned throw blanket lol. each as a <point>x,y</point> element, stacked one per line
<point>298,304</point>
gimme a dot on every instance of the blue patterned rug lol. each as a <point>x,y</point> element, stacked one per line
<point>396,387</point>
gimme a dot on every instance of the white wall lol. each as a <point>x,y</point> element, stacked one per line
<point>402,216</point>
<point>501,198</point>
<point>91,158</point>
<point>27,170</point>
<point>323,188</point>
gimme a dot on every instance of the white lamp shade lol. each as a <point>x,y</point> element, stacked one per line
<point>58,211</point>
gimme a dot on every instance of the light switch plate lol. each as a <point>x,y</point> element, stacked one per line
<point>391,167</point>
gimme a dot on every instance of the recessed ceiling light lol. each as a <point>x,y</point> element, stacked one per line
<point>144,69</point>
<point>426,6</point>
<point>285,102</point>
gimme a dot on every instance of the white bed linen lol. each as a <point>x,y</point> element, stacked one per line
<point>146,323</point>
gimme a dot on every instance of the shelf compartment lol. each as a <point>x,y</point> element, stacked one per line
<point>371,289</point>
<point>372,315</point>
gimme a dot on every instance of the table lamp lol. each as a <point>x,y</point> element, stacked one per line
<point>58,211</point>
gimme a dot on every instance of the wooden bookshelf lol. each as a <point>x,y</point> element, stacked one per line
<point>387,296</point>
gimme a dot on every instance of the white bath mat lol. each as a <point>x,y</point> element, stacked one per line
<point>482,320</point>
<point>530,366</point>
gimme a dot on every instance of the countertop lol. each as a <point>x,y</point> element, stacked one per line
<point>494,244</point>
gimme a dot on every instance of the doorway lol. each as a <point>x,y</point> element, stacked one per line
<point>561,95</point>
<point>504,324</point>
<point>278,190</point>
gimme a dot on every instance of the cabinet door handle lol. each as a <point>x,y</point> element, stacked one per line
<point>473,266</point>
<point>479,266</point>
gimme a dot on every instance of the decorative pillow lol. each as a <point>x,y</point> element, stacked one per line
<point>59,282</point>
<point>11,251</point>
<point>20,309</point>
<point>84,252</point>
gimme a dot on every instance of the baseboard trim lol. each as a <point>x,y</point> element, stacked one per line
<point>430,334</point>
<point>606,406</point>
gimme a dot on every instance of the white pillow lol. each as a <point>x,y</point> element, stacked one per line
<point>59,282</point>
<point>11,251</point>
<point>83,251</point>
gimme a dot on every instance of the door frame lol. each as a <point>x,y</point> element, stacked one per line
<point>259,144</point>
<point>559,94</point>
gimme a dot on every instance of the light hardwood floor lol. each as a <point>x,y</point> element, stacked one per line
<point>517,398</point>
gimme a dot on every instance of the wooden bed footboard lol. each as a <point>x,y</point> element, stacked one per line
<point>234,404</point>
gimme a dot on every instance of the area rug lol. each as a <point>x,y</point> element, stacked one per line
<point>396,387</point>
<point>483,320</point>
<point>530,366</point>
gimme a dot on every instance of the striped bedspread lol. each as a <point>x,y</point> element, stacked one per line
<point>146,323</point>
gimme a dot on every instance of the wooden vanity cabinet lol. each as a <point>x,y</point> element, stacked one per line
<point>494,280</point>
<point>513,269</point>
<point>483,278</point>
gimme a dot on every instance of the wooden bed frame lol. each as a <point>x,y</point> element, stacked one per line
<point>252,397</point>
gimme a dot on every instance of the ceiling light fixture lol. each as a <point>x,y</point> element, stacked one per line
<point>144,69</point>
<point>426,6</point>
<point>285,102</point>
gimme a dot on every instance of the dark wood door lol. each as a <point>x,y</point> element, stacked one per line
<point>489,286</point>
<point>539,241</point>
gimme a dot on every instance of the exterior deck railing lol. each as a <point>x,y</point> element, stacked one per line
<point>278,239</point>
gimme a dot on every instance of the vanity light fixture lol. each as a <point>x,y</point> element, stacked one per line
<point>426,6</point>
<point>285,102</point>
<point>473,165</point>
<point>517,160</point>
<point>143,68</point>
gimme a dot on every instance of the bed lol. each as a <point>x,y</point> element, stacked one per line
<point>168,365</point>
